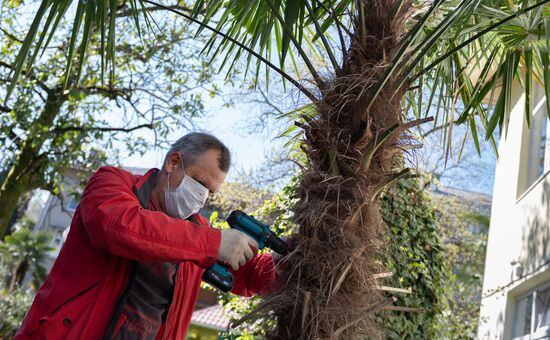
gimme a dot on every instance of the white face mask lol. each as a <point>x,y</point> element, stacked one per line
<point>186,199</point>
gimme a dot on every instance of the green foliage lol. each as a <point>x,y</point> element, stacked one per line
<point>445,51</point>
<point>236,195</point>
<point>469,51</point>
<point>147,92</point>
<point>276,212</point>
<point>22,251</point>
<point>13,307</point>
<point>416,258</point>
<point>437,248</point>
<point>46,128</point>
<point>463,226</point>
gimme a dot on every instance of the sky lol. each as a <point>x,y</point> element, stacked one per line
<point>234,127</point>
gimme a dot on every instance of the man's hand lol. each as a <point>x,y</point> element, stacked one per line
<point>236,248</point>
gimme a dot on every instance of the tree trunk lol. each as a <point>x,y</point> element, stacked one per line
<point>18,274</point>
<point>26,171</point>
<point>329,287</point>
<point>18,212</point>
<point>22,269</point>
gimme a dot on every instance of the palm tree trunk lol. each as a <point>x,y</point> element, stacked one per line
<point>22,269</point>
<point>26,171</point>
<point>329,287</point>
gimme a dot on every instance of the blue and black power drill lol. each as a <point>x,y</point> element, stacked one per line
<point>218,275</point>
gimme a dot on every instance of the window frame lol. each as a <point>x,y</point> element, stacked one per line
<point>534,334</point>
<point>531,151</point>
<point>540,117</point>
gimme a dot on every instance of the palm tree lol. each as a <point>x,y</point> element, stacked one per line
<point>375,63</point>
<point>24,250</point>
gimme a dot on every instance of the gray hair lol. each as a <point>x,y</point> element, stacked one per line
<point>195,144</point>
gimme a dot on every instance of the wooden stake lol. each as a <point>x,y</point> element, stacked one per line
<point>381,275</point>
<point>395,290</point>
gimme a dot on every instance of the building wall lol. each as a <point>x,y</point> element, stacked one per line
<point>518,246</point>
<point>57,214</point>
<point>56,217</point>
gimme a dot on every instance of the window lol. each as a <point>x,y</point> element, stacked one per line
<point>532,315</point>
<point>57,236</point>
<point>72,204</point>
<point>539,157</point>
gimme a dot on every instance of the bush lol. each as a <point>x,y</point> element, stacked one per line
<point>21,251</point>
<point>13,308</point>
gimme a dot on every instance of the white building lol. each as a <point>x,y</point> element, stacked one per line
<point>57,213</point>
<point>516,289</point>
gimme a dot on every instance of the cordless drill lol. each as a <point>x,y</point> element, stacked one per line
<point>218,275</point>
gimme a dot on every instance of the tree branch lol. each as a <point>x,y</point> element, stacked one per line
<point>28,75</point>
<point>435,129</point>
<point>269,103</point>
<point>11,36</point>
<point>14,138</point>
<point>4,109</point>
<point>128,12</point>
<point>103,129</point>
<point>105,91</point>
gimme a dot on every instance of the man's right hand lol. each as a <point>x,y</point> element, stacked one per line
<point>236,248</point>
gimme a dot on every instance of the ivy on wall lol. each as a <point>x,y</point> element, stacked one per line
<point>416,258</point>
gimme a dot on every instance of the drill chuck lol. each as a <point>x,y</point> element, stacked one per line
<point>218,275</point>
<point>275,243</point>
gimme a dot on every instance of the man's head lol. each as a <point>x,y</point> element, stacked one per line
<point>201,156</point>
<point>196,144</point>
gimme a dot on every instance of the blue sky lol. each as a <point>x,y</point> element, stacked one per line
<point>233,126</point>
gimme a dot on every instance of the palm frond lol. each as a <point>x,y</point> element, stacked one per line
<point>479,59</point>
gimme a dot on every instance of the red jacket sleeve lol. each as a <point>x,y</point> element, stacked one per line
<point>255,277</point>
<point>114,220</point>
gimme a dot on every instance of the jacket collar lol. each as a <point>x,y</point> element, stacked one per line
<point>144,187</point>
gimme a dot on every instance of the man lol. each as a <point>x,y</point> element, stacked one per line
<point>132,262</point>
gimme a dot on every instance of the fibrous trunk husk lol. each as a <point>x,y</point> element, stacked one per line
<point>329,289</point>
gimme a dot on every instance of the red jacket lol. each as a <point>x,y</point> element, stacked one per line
<point>110,230</point>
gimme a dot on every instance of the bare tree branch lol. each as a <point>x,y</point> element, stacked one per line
<point>14,138</point>
<point>11,36</point>
<point>128,12</point>
<point>269,103</point>
<point>20,40</point>
<point>435,129</point>
<point>103,129</point>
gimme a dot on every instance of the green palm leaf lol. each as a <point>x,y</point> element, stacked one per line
<point>268,31</point>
